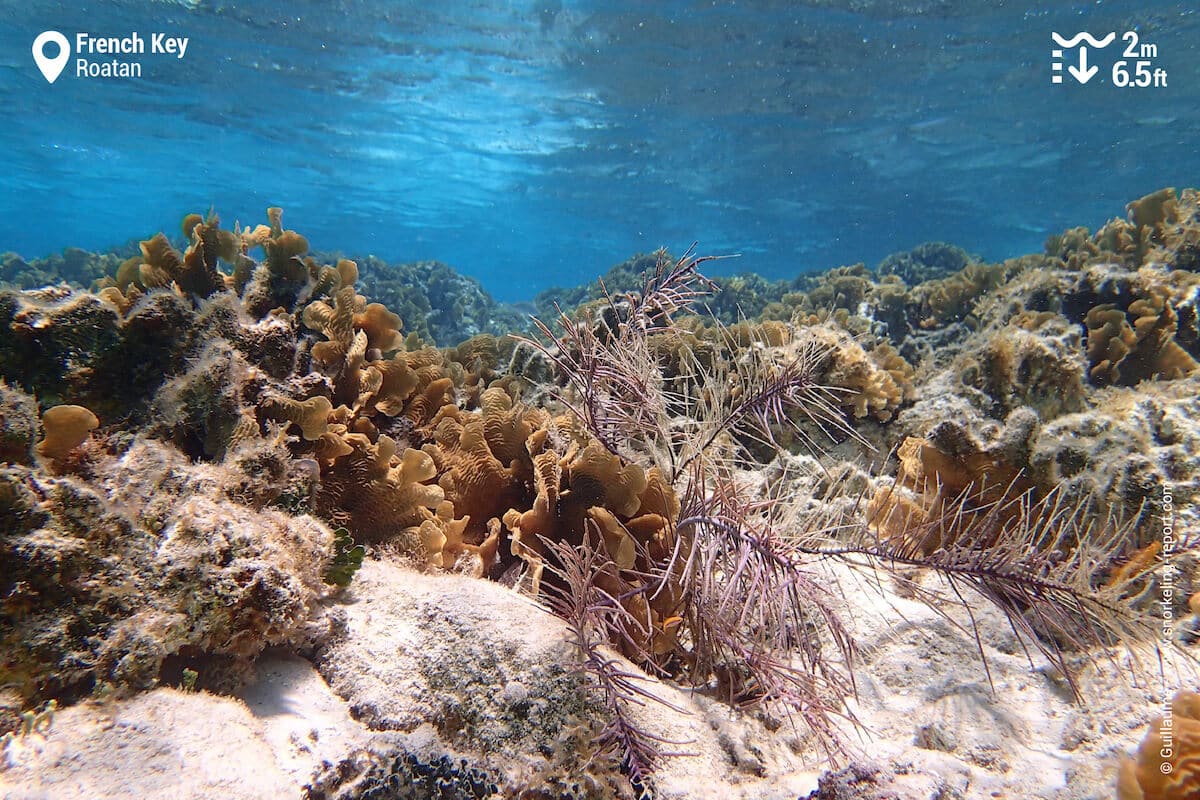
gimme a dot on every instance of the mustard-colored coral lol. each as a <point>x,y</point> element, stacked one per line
<point>531,526</point>
<point>155,267</point>
<point>877,383</point>
<point>953,299</point>
<point>371,494</point>
<point>938,494</point>
<point>441,536</point>
<point>336,322</point>
<point>479,484</point>
<point>844,287</point>
<point>1122,352</point>
<point>199,274</point>
<point>284,248</point>
<point>381,326</point>
<point>194,273</point>
<point>311,416</point>
<point>481,360</point>
<point>1167,763</point>
<point>1162,228</point>
<point>388,385</point>
<point>66,427</point>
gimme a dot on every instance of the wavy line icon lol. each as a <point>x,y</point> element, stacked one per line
<point>1084,36</point>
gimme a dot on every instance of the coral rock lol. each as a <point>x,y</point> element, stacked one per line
<point>18,425</point>
<point>104,579</point>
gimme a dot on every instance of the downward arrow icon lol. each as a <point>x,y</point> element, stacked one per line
<point>1083,73</point>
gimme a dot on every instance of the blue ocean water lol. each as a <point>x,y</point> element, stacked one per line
<point>536,143</point>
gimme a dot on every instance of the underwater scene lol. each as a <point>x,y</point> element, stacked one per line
<point>565,399</point>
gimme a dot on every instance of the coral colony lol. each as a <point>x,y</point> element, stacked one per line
<point>207,444</point>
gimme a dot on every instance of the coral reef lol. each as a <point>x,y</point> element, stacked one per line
<point>867,376</point>
<point>439,305</point>
<point>1128,346</point>
<point>926,262</point>
<point>73,265</point>
<point>243,382</point>
<point>1161,228</point>
<point>1035,361</point>
<point>953,298</point>
<point>845,288</point>
<point>948,475</point>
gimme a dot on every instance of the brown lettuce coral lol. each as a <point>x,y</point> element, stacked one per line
<point>1161,228</point>
<point>479,484</point>
<point>873,383</point>
<point>375,492</point>
<point>1126,347</point>
<point>953,299</point>
<point>1167,763</point>
<point>941,488</point>
<point>628,512</point>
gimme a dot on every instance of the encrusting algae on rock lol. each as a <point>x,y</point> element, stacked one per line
<point>209,414</point>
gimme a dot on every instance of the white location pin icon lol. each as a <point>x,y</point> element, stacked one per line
<point>51,67</point>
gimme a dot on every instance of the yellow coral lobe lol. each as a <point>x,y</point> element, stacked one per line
<point>398,383</point>
<point>622,485</point>
<point>617,541</point>
<point>540,521</point>
<point>488,550</point>
<point>381,326</point>
<point>160,262</point>
<point>1154,208</point>
<point>336,322</point>
<point>128,272</point>
<point>257,237</point>
<point>189,224</point>
<point>66,427</point>
<point>311,415</point>
<point>113,296</point>
<point>416,466</point>
<point>347,270</point>
<point>1167,763</point>
<point>442,536</point>
<point>938,495</point>
<point>330,447</point>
